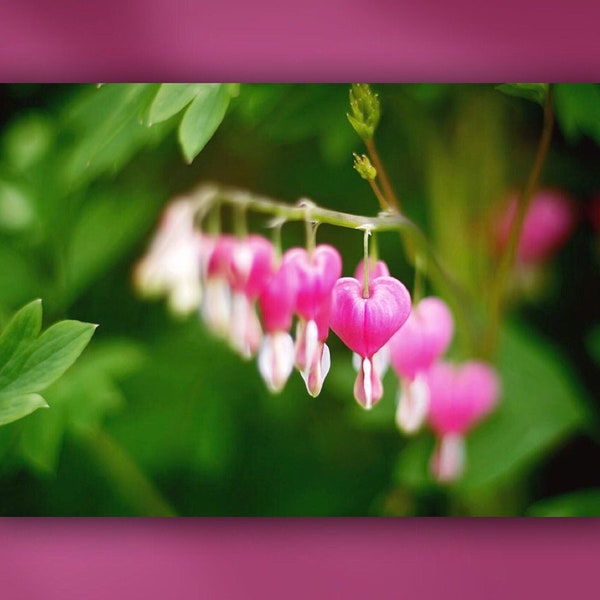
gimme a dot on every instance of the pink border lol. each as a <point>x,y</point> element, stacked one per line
<point>296,558</point>
<point>341,40</point>
<point>337,40</point>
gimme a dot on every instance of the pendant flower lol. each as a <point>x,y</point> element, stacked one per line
<point>366,322</point>
<point>277,304</point>
<point>459,397</point>
<point>424,337</point>
<point>171,267</point>
<point>316,274</point>
<point>238,271</point>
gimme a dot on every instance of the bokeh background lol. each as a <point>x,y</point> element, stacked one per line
<point>159,417</point>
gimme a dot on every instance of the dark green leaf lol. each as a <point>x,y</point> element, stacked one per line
<point>583,503</point>
<point>577,109</point>
<point>536,92</point>
<point>202,119</point>
<point>17,407</point>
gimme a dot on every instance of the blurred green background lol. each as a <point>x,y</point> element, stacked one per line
<point>158,417</point>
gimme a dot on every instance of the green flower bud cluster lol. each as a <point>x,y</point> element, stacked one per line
<point>365,109</point>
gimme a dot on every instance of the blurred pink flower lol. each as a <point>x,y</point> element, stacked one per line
<point>238,271</point>
<point>171,267</point>
<point>548,224</point>
<point>459,397</point>
<point>277,304</point>
<point>424,337</point>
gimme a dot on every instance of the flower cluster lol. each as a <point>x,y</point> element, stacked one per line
<point>250,294</point>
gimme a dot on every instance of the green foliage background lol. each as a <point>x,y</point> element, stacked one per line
<point>158,417</point>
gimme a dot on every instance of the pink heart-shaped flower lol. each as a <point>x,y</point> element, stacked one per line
<point>316,275</point>
<point>366,324</point>
<point>460,396</point>
<point>423,338</point>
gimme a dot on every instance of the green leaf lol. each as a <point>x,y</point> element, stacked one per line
<point>17,407</point>
<point>46,359</point>
<point>171,99</point>
<point>536,92</point>
<point>202,119</point>
<point>583,503</point>
<point>109,127</point>
<point>577,108</point>
<point>22,329</point>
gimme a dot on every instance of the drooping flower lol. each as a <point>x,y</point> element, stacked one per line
<point>365,324</point>
<point>238,271</point>
<point>381,358</point>
<point>171,267</point>
<point>316,274</point>
<point>277,304</point>
<point>459,397</point>
<point>424,337</point>
<point>549,222</point>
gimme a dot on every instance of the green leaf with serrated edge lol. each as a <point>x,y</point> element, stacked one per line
<point>21,330</point>
<point>44,361</point>
<point>536,92</point>
<point>582,503</point>
<point>17,407</point>
<point>171,99</point>
<point>202,119</point>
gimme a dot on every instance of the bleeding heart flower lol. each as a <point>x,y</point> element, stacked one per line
<point>459,397</point>
<point>376,269</point>
<point>316,274</point>
<point>240,268</point>
<point>381,358</point>
<point>424,337</point>
<point>277,304</point>
<point>365,324</point>
<point>549,222</point>
<point>172,264</point>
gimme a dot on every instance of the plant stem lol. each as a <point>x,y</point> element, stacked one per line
<point>509,253</point>
<point>129,481</point>
<point>390,197</point>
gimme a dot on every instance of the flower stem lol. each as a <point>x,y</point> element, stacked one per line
<point>509,253</point>
<point>390,196</point>
<point>366,290</point>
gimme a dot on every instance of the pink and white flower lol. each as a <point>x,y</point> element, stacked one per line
<point>277,303</point>
<point>238,270</point>
<point>459,397</point>
<point>365,323</point>
<point>424,337</point>
<point>171,267</point>
<point>316,274</point>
